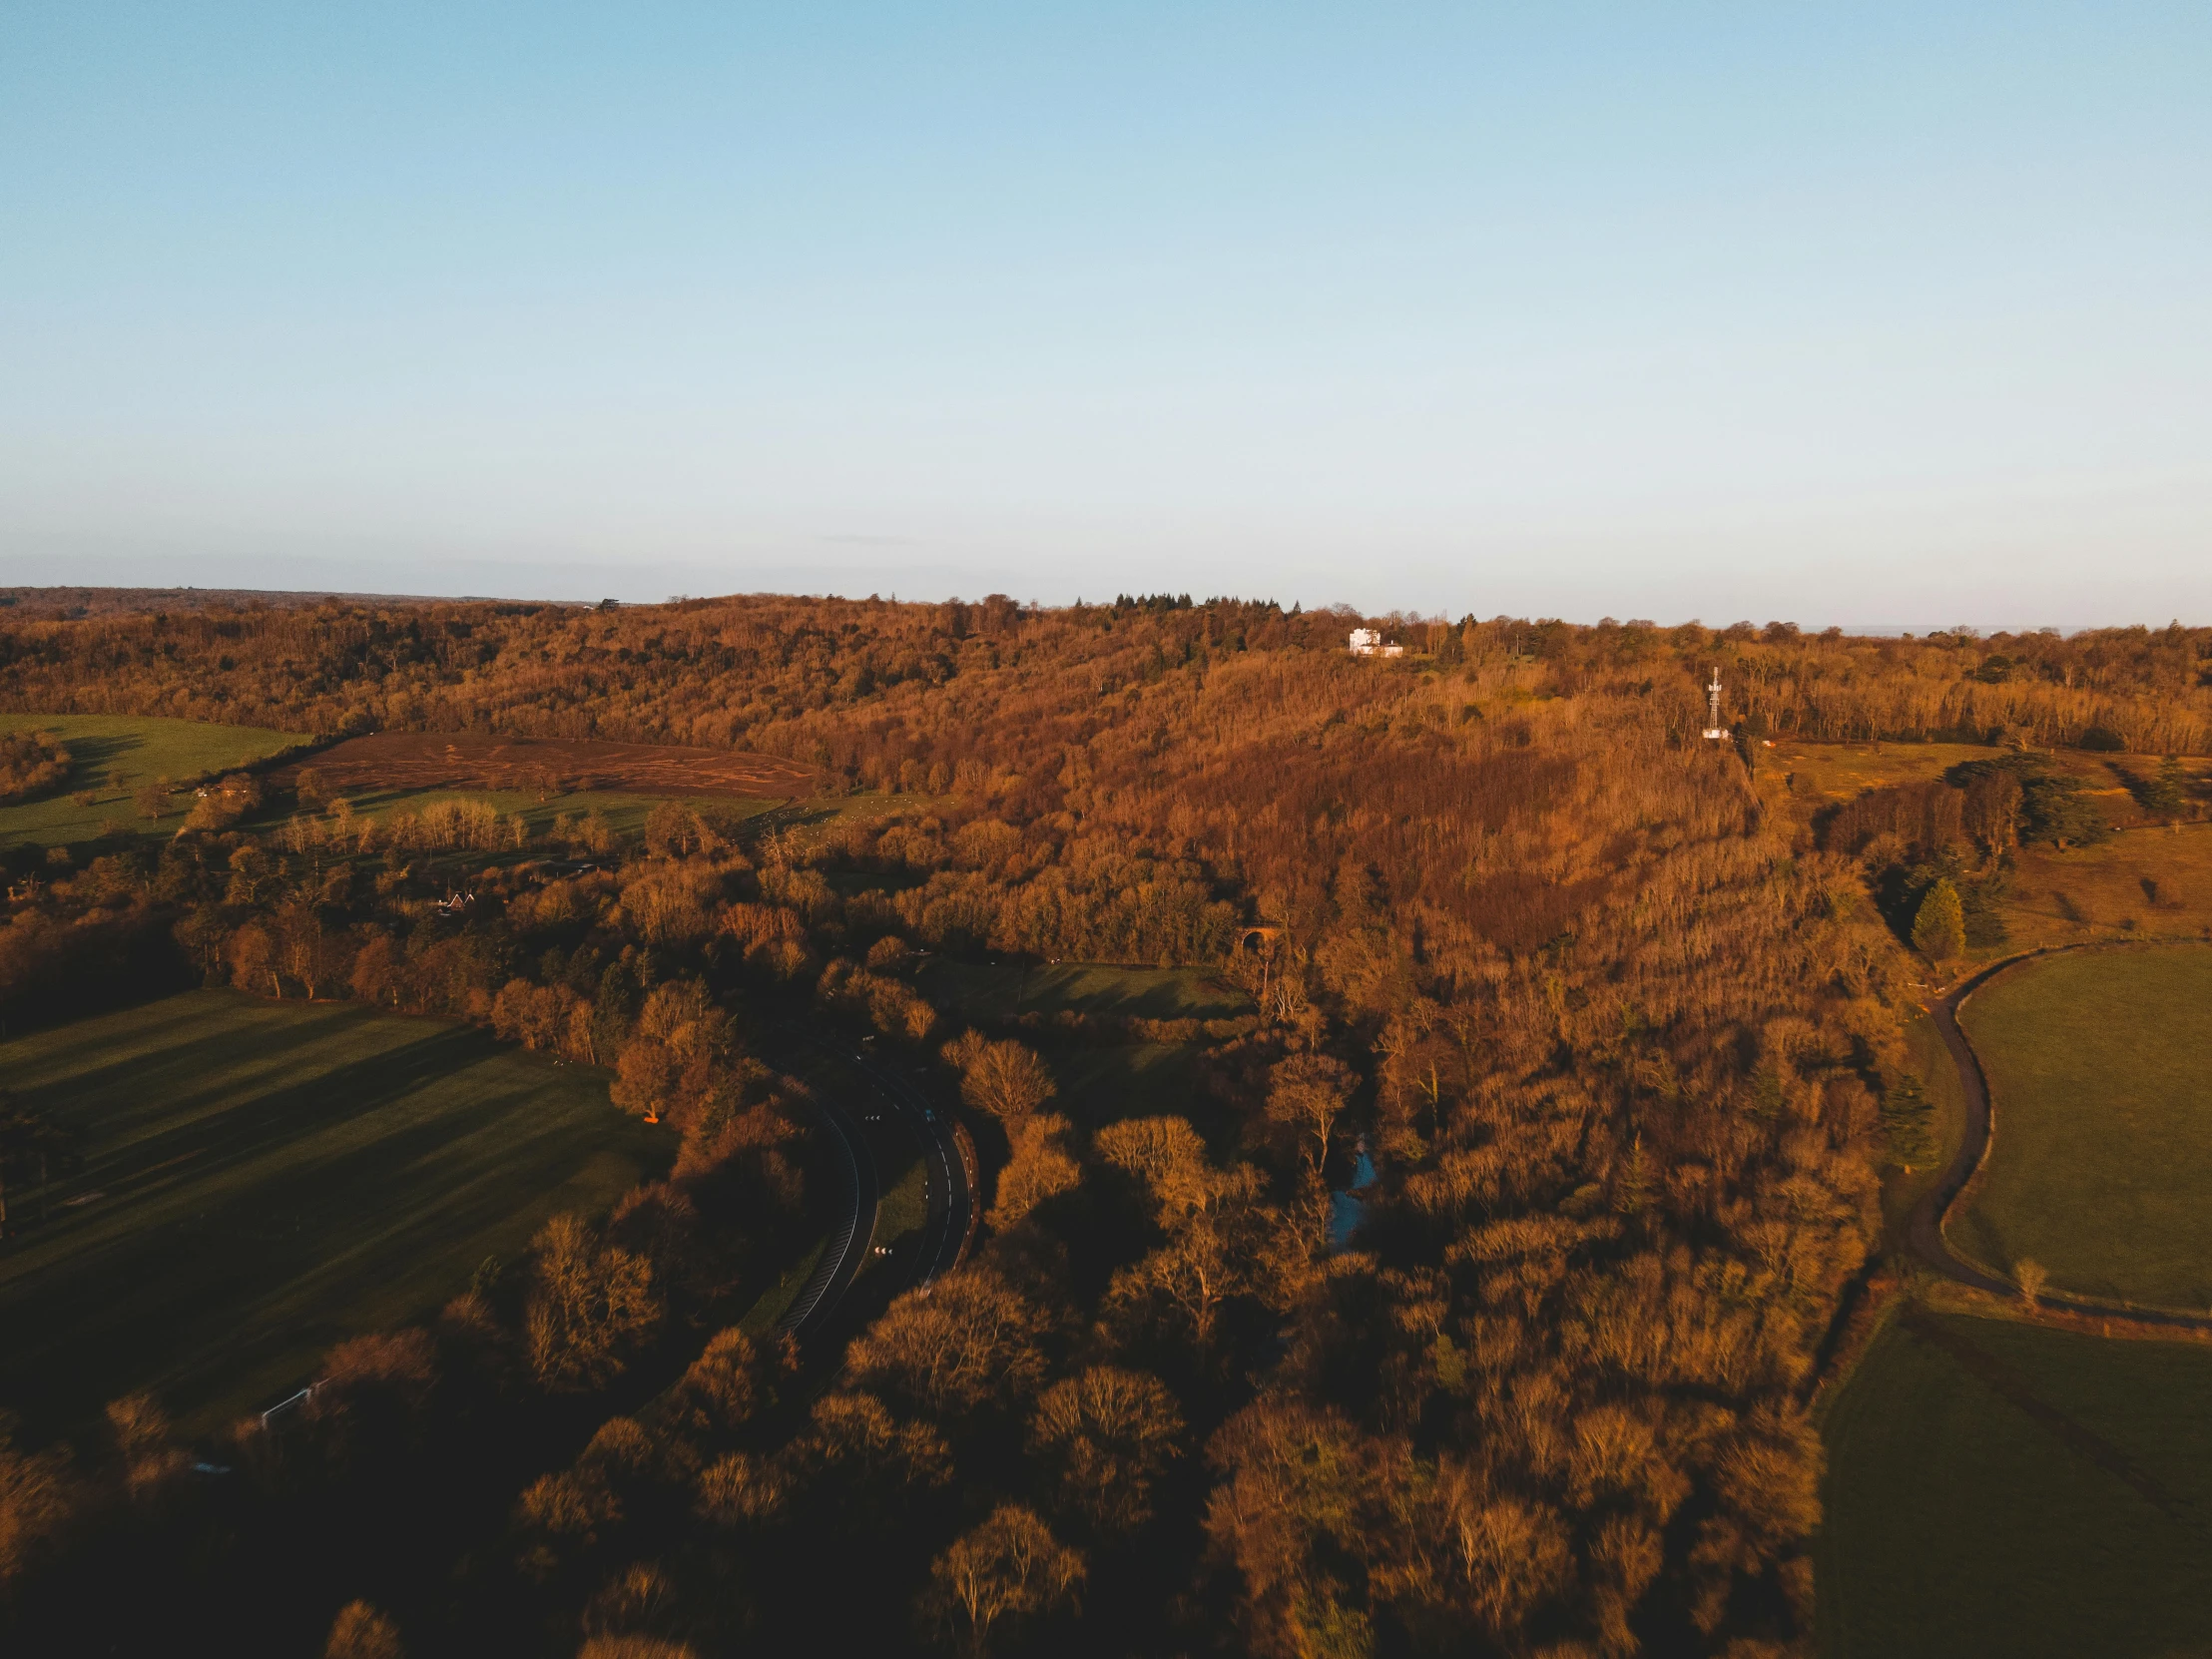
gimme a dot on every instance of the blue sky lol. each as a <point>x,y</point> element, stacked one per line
<point>1868,314</point>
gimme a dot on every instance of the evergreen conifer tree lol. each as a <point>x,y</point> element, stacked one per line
<point>1940,930</point>
<point>2169,792</point>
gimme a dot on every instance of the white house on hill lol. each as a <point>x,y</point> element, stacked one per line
<point>1367,641</point>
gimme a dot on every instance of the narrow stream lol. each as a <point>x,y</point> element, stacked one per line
<point>1346,1210</point>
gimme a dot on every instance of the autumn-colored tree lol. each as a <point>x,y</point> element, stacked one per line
<point>1106,1435</point>
<point>1009,1568</point>
<point>1307,1093</point>
<point>254,959</point>
<point>374,975</point>
<point>1224,1240</point>
<point>1005,1079</point>
<point>305,946</point>
<point>1168,1156</point>
<point>969,1339</point>
<point>30,764</point>
<point>634,1604</point>
<point>146,1446</point>
<point>648,1077</point>
<point>590,1307</point>
<point>738,1488</point>
<point>37,1499</point>
<point>250,875</point>
<point>1039,1169</point>
<point>360,1631</point>
<point>634,1647</point>
<point>1293,1502</point>
<point>1464,1556</point>
<point>1991,814</point>
<point>561,1518</point>
<point>733,1378</point>
<point>865,1467</point>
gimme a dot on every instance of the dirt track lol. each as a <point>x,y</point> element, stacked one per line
<point>436,759</point>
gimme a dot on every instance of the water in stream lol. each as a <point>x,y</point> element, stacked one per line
<point>1346,1210</point>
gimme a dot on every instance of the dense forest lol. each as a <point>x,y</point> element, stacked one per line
<point>1618,1041</point>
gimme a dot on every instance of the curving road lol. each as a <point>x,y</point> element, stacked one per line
<point>949,1157</point>
<point>1924,1231</point>
<point>951,1180</point>
<point>847,1245</point>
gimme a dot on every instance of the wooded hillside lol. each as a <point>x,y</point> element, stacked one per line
<point>1614,1042</point>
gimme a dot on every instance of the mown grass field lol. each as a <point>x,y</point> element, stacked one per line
<point>975,989</point>
<point>143,751</point>
<point>1997,1487</point>
<point>2100,1161</point>
<point>263,1179</point>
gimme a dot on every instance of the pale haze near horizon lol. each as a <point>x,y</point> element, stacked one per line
<point>1893,315</point>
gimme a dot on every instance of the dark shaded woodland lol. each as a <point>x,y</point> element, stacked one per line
<point>1617,1043</point>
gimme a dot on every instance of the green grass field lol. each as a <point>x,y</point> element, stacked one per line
<point>142,749</point>
<point>145,750</point>
<point>1930,1061</point>
<point>2002,1489</point>
<point>972,990</point>
<point>263,1179</point>
<point>2100,1164</point>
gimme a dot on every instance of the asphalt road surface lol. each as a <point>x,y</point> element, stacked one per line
<point>948,1163</point>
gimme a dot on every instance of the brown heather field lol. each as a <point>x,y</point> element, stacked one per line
<point>554,766</point>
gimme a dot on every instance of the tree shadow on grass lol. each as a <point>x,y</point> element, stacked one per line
<point>2008,1385</point>
<point>90,753</point>
<point>258,1225</point>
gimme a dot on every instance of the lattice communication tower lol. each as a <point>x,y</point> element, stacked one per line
<point>1713,727</point>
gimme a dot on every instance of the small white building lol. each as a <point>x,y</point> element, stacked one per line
<point>1367,641</point>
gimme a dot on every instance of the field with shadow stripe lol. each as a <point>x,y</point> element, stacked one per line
<point>260,1180</point>
<point>2001,1487</point>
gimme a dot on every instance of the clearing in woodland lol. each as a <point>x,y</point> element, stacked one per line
<point>2142,883</point>
<point>113,757</point>
<point>2101,1155</point>
<point>979,991</point>
<point>260,1180</point>
<point>2001,1487</point>
<point>409,761</point>
<point>2151,881</point>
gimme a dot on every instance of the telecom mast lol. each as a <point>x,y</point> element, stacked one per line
<point>1714,728</point>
